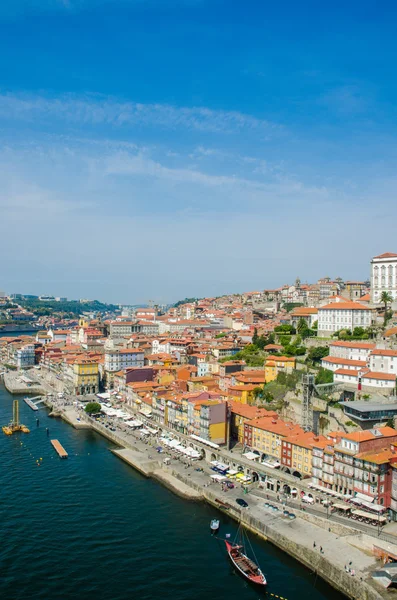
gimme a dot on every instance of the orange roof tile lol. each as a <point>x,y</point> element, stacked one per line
<point>380,376</point>
<point>352,372</point>
<point>303,311</point>
<point>344,306</point>
<point>335,360</point>
<point>250,412</point>
<point>378,457</point>
<point>356,345</point>
<point>389,332</point>
<point>381,352</point>
<point>386,255</point>
<point>362,436</point>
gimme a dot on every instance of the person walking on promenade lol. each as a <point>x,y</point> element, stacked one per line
<point>314,544</point>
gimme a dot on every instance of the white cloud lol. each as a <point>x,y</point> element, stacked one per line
<point>97,110</point>
<point>126,164</point>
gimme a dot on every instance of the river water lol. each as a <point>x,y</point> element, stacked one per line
<point>92,528</point>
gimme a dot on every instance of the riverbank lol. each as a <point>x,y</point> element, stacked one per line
<point>295,537</point>
<point>17,382</point>
<point>152,468</point>
<point>136,524</point>
<point>340,544</point>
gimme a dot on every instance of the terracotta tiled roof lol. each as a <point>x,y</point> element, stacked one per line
<point>344,306</point>
<point>386,255</point>
<point>378,457</point>
<point>303,311</point>
<point>357,345</point>
<point>362,436</point>
<point>389,332</point>
<point>382,352</point>
<point>380,376</point>
<point>335,360</point>
<point>351,372</point>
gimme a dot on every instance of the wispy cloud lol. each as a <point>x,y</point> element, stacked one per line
<point>140,164</point>
<point>97,110</point>
<point>346,100</point>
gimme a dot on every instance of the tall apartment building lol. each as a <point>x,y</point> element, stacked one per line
<point>25,356</point>
<point>383,276</point>
<point>362,464</point>
<point>119,360</point>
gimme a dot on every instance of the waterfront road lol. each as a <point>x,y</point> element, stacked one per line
<point>73,409</point>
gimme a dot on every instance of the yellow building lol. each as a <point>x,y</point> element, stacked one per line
<point>242,393</point>
<point>297,451</point>
<point>266,435</point>
<point>243,413</point>
<point>200,384</point>
<point>278,364</point>
<point>212,416</point>
<point>85,376</point>
<point>165,376</point>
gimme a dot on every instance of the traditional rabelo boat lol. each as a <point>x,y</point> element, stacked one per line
<point>247,567</point>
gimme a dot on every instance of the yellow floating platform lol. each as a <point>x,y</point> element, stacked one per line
<point>10,429</point>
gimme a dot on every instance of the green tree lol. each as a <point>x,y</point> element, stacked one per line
<point>291,305</point>
<point>316,354</point>
<point>390,423</point>
<point>285,329</point>
<point>255,337</point>
<point>294,350</point>
<point>315,325</point>
<point>92,408</point>
<point>285,340</point>
<point>385,298</point>
<point>358,331</point>
<point>303,328</point>
<point>324,376</point>
<point>268,397</point>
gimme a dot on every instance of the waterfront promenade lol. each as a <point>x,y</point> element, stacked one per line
<point>302,537</point>
<point>325,547</point>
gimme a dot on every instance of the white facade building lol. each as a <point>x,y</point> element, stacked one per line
<point>351,350</point>
<point>342,315</point>
<point>369,379</point>
<point>149,327</point>
<point>25,356</point>
<point>383,361</point>
<point>160,347</point>
<point>333,363</point>
<point>119,329</point>
<point>383,276</point>
<point>118,360</point>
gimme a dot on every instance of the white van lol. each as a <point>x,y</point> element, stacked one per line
<point>308,499</point>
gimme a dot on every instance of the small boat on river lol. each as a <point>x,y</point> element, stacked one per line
<point>214,526</point>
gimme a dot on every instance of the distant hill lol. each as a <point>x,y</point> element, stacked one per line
<point>186,301</point>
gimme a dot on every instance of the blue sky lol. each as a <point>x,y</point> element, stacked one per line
<point>157,149</point>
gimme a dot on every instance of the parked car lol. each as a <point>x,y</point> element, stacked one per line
<point>241,502</point>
